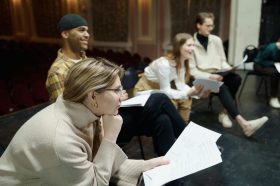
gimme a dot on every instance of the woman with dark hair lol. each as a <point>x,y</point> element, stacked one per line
<point>171,74</point>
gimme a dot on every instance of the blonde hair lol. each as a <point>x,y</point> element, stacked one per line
<point>91,74</point>
<point>178,41</point>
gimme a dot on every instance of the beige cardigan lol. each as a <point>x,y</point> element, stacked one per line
<point>54,147</point>
<point>205,62</point>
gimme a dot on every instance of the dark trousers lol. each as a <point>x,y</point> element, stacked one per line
<point>274,77</point>
<point>228,91</point>
<point>158,118</point>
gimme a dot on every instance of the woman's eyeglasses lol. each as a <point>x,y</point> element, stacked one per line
<point>118,91</point>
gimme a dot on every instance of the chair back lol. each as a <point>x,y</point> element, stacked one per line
<point>251,51</point>
<point>130,78</point>
<point>249,54</point>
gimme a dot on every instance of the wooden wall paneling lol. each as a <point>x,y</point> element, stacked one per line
<point>110,20</point>
<point>5,18</point>
<point>19,21</point>
<point>146,20</point>
<point>179,16</point>
<point>183,14</point>
<point>46,14</point>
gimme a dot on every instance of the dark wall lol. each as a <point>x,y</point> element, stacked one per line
<point>270,27</point>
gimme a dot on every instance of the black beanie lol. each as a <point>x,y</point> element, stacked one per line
<point>70,21</point>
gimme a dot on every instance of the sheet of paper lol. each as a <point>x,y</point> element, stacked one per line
<point>150,92</point>
<point>136,101</point>
<point>213,85</point>
<point>277,65</point>
<point>194,150</point>
<point>235,66</point>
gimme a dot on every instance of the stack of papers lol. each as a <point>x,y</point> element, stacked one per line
<point>194,150</point>
<point>137,101</point>
<point>213,85</point>
<point>140,99</point>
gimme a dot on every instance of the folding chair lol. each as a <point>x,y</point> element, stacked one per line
<point>251,51</point>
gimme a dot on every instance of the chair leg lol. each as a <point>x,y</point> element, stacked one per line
<point>141,147</point>
<point>242,86</point>
<point>266,89</point>
<point>260,86</point>
<point>210,102</point>
<point>264,81</point>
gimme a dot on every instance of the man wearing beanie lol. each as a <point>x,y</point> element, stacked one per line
<point>74,32</point>
<point>158,118</point>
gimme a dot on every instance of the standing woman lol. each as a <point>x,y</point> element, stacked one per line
<point>171,74</point>
<point>73,141</point>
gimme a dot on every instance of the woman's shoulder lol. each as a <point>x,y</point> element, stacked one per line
<point>162,61</point>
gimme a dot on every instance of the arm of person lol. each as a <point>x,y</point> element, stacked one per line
<point>54,85</point>
<point>74,166</point>
<point>264,57</point>
<point>195,72</point>
<point>130,171</point>
<point>164,74</point>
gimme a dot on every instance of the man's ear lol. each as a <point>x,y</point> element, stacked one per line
<point>64,34</point>
<point>198,25</point>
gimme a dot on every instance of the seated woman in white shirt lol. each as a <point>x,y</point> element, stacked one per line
<point>171,75</point>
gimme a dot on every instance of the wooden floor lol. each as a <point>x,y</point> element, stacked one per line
<point>251,161</point>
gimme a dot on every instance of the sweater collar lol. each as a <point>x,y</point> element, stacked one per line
<point>75,113</point>
<point>65,58</point>
<point>202,40</point>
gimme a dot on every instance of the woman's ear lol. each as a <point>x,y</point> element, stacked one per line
<point>89,98</point>
<point>93,94</point>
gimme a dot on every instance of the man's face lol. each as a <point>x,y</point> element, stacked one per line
<point>78,38</point>
<point>206,28</point>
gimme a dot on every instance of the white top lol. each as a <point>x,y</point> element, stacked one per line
<point>163,72</point>
<point>55,147</point>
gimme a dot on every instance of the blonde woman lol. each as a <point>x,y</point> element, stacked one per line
<point>73,141</point>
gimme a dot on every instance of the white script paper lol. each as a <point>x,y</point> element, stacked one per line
<point>139,100</point>
<point>277,65</point>
<point>213,85</point>
<point>235,66</point>
<point>194,150</point>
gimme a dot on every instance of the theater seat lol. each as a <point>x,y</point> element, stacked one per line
<point>22,96</point>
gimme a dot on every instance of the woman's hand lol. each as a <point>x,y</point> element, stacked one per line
<point>205,93</point>
<point>195,90</point>
<point>154,162</point>
<point>199,91</point>
<point>216,77</point>
<point>112,126</point>
<point>124,95</point>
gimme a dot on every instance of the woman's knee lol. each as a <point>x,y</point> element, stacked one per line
<point>164,123</point>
